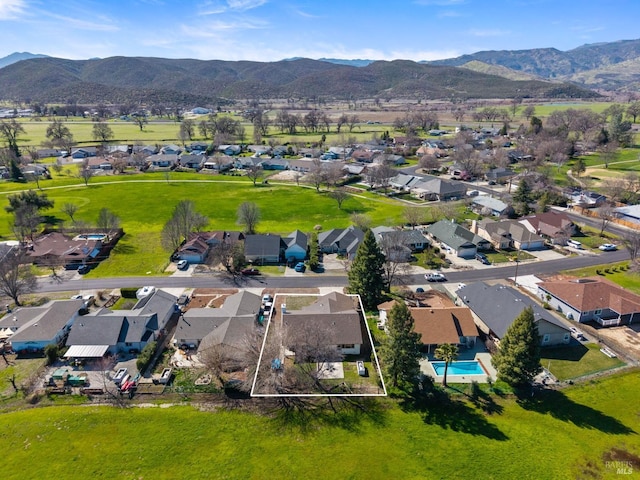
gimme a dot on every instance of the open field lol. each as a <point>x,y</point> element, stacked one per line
<point>557,435</point>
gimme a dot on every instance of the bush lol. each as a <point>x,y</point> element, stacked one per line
<point>546,306</point>
<point>144,359</point>
<point>52,351</point>
<point>129,292</point>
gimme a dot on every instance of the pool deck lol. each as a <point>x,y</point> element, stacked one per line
<point>477,353</point>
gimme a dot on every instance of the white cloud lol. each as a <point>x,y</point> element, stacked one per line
<point>244,5</point>
<point>304,14</point>
<point>105,25</point>
<point>11,9</point>
<point>217,7</point>
<point>488,33</point>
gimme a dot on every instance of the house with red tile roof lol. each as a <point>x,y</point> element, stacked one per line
<point>592,299</point>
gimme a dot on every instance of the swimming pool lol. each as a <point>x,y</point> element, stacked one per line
<point>472,367</point>
<point>91,236</point>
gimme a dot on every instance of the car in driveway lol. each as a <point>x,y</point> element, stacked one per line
<point>300,267</point>
<point>482,258</point>
<point>608,247</point>
<point>82,269</point>
<point>182,265</point>
<point>435,277</point>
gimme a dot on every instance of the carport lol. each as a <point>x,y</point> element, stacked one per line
<point>86,351</point>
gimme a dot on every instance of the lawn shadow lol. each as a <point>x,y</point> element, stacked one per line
<point>438,408</point>
<point>481,399</point>
<point>124,248</point>
<point>559,406</point>
<point>309,414</point>
<point>572,353</point>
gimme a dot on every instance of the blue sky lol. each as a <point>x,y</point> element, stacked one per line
<point>268,30</point>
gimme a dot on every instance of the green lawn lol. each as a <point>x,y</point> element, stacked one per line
<point>616,272</point>
<point>557,435</point>
<point>576,360</point>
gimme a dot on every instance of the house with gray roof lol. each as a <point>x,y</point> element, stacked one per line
<point>229,326</point>
<point>160,304</point>
<point>400,243</point>
<point>506,234</point>
<point>296,246</point>
<point>343,241</point>
<point>46,326</point>
<point>630,213</point>
<point>335,316</point>
<point>463,242</point>
<point>404,182</point>
<point>262,249</point>
<point>499,174</point>
<point>483,203</point>
<point>439,189</point>
<point>497,306</point>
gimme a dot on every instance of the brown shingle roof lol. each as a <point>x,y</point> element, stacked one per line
<point>593,293</point>
<point>443,325</point>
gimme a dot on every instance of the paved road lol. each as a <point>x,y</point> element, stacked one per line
<point>313,280</point>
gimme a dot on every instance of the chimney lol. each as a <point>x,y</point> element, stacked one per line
<point>474,226</point>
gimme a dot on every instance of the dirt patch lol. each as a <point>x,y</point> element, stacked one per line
<point>623,339</point>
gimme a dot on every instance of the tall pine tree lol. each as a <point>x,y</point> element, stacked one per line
<point>366,276</point>
<point>401,350</point>
<point>518,358</point>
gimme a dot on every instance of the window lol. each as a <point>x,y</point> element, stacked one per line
<point>598,311</point>
<point>546,338</point>
<point>346,345</point>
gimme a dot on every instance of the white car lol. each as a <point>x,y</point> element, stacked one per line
<point>608,247</point>
<point>435,277</point>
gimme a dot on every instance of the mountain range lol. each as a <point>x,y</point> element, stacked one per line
<point>543,72</point>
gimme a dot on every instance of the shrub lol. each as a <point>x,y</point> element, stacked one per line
<point>52,351</point>
<point>144,359</point>
<point>546,306</point>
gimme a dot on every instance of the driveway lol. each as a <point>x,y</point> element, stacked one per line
<point>546,254</point>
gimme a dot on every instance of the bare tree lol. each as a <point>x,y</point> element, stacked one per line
<point>85,172</point>
<point>249,216</point>
<point>102,132</point>
<point>107,220</point>
<point>631,240</point>
<point>69,209</point>
<point>360,220</point>
<point>184,221</point>
<point>187,129</point>
<point>140,121</point>
<point>413,216</point>
<point>396,255</point>
<point>317,173</point>
<point>339,195</point>
<point>16,277</point>
<point>608,152</point>
<point>429,163</point>
<point>254,173</point>
<point>606,213</point>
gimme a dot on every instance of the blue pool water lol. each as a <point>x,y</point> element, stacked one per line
<point>459,368</point>
<point>97,236</point>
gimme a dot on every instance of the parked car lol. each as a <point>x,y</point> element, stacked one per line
<point>608,247</point>
<point>250,271</point>
<point>435,277</point>
<point>482,258</point>
<point>182,265</point>
<point>575,244</point>
<point>300,267</point>
<point>82,269</point>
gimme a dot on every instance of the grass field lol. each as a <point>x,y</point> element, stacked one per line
<point>558,435</point>
<point>576,360</point>
<point>616,272</point>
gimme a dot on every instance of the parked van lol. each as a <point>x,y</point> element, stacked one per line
<point>120,374</point>
<point>574,244</point>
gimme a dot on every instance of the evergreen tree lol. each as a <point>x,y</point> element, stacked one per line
<point>401,351</point>
<point>518,358</point>
<point>522,198</point>
<point>366,276</point>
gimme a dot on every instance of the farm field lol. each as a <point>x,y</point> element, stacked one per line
<point>574,433</point>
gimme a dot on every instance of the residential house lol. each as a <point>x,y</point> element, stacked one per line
<point>194,250</point>
<point>339,153</point>
<point>484,203</point>
<point>354,168</point>
<point>84,152</point>
<point>389,159</point>
<point>437,326</point>
<point>191,161</point>
<point>586,199</point>
<point>463,242</point>
<point>160,304</point>
<point>48,153</point>
<point>401,244</point>
<point>171,150</point>
<point>198,146</point>
<point>200,111</point>
<point>364,156</point>
<point>230,150</point>
<point>335,316</point>
<point>439,189</point>
<point>259,150</point>
<point>263,248</point>
<point>144,149</point>
<point>630,213</point>
<point>301,165</point>
<point>275,164</point>
<point>518,156</point>
<point>555,226</point>
<point>47,325</point>
<point>343,241</point>
<point>218,163</point>
<point>507,234</point>
<point>246,162</point>
<point>228,327</point>
<point>404,182</point>
<point>497,306</point>
<point>163,160</point>
<point>222,236</point>
<point>591,299</point>
<point>499,174</point>
<point>296,246</point>
<point>54,248</point>
<point>14,320</point>
<point>98,163</point>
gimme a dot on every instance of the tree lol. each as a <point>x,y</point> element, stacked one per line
<point>59,134</point>
<point>254,172</point>
<point>9,131</point>
<point>102,132</point>
<point>52,352</point>
<point>578,167</point>
<point>26,207</point>
<point>518,357</point>
<point>396,255</point>
<point>528,111</point>
<point>140,121</point>
<point>360,220</point>
<point>86,173</point>
<point>633,111</point>
<point>249,216</point>
<point>184,221</point>
<point>448,353</point>
<point>429,163</point>
<point>69,209</point>
<point>187,129</point>
<point>413,216</point>
<point>631,241</point>
<point>107,220</point>
<point>366,276</point>
<point>606,213</point>
<point>339,195</point>
<point>16,277</point>
<point>522,197</point>
<point>401,351</point>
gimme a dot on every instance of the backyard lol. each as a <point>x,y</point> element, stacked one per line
<point>568,362</point>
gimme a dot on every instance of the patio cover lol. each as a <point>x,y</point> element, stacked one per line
<point>86,351</point>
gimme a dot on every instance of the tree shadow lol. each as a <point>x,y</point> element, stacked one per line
<point>559,406</point>
<point>308,414</point>
<point>573,352</point>
<point>438,408</point>
<point>124,248</point>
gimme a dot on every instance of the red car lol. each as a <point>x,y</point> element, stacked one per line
<point>250,271</point>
